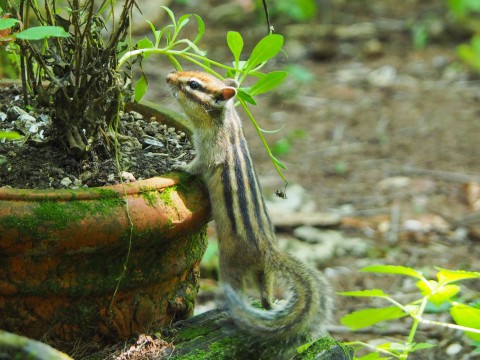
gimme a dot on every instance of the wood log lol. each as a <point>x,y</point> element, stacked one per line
<point>204,337</point>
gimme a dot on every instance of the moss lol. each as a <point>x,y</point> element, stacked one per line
<point>166,195</point>
<point>324,345</point>
<point>151,196</point>
<point>48,216</point>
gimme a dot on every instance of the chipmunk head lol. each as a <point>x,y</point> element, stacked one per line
<point>201,93</point>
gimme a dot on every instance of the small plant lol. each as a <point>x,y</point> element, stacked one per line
<point>439,292</point>
<point>67,64</point>
<point>467,12</point>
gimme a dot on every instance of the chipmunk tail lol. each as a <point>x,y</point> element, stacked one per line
<point>302,315</point>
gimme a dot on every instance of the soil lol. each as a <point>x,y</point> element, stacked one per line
<point>375,130</point>
<point>146,149</point>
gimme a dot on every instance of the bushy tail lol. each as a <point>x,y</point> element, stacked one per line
<point>305,313</point>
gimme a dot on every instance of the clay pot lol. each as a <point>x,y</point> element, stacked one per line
<point>111,261</point>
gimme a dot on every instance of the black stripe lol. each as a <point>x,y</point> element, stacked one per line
<point>227,193</point>
<point>259,203</point>
<point>241,193</point>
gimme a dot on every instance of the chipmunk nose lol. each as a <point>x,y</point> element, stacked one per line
<point>170,77</point>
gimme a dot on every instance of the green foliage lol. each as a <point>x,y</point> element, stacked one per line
<point>284,145</point>
<point>74,57</point>
<point>467,12</point>
<point>463,8</point>
<point>470,52</point>
<point>169,42</point>
<point>297,10</point>
<point>440,291</point>
<point>10,135</point>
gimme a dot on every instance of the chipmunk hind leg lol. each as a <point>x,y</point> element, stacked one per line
<point>265,282</point>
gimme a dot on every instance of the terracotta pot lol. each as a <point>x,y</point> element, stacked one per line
<point>111,261</point>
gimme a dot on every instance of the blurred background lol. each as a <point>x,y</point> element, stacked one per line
<point>379,129</point>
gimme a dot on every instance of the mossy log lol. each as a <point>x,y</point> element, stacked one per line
<point>204,337</point>
<point>18,347</point>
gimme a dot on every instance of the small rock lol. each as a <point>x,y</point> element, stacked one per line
<point>313,235</point>
<point>14,112</point>
<point>77,183</point>
<point>85,176</point>
<point>315,254</point>
<point>383,77</point>
<point>111,178</point>
<point>453,349</point>
<point>3,116</point>
<point>66,182</point>
<point>126,176</point>
<point>26,118</point>
<point>297,200</point>
<point>394,183</point>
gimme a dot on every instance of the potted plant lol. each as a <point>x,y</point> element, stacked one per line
<point>115,260</point>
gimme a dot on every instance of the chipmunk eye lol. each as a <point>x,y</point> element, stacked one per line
<point>193,85</point>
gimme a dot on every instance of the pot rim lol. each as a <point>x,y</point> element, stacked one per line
<point>93,193</point>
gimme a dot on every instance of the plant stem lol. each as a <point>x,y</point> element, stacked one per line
<point>416,321</point>
<point>259,132</point>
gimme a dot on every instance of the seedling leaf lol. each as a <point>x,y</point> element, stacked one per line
<point>367,317</point>
<point>393,269</point>
<point>445,276</point>
<point>7,23</point>
<point>468,316</point>
<point>42,32</point>
<point>266,49</point>
<point>438,293</point>
<point>141,88</point>
<point>364,293</point>
<point>268,82</point>
<point>235,43</point>
<point>243,94</point>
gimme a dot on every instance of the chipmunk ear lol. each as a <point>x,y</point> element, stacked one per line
<point>228,93</point>
<point>231,82</point>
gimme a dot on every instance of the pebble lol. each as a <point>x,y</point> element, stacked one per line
<point>14,112</point>
<point>66,182</point>
<point>453,349</point>
<point>383,77</point>
<point>3,116</point>
<point>127,176</point>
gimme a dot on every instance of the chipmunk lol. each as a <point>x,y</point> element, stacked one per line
<point>247,242</point>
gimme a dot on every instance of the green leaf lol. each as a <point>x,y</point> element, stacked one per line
<point>438,293</point>
<point>141,88</point>
<point>281,147</point>
<point>468,316</point>
<point>278,162</point>
<point>265,49</point>
<point>421,346</point>
<point>371,356</point>
<point>184,20</point>
<point>10,135</point>
<point>243,94</point>
<point>42,32</point>
<point>170,13</point>
<point>200,28</point>
<point>145,44</point>
<point>393,269</point>
<point>7,23</point>
<point>367,317</point>
<point>268,82</point>
<point>445,276</point>
<point>235,43</point>
<point>364,293</point>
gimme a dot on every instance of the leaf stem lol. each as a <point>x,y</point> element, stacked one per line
<point>260,134</point>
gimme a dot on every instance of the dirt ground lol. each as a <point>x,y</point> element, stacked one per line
<point>376,131</point>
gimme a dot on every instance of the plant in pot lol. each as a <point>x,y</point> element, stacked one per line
<point>102,261</point>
